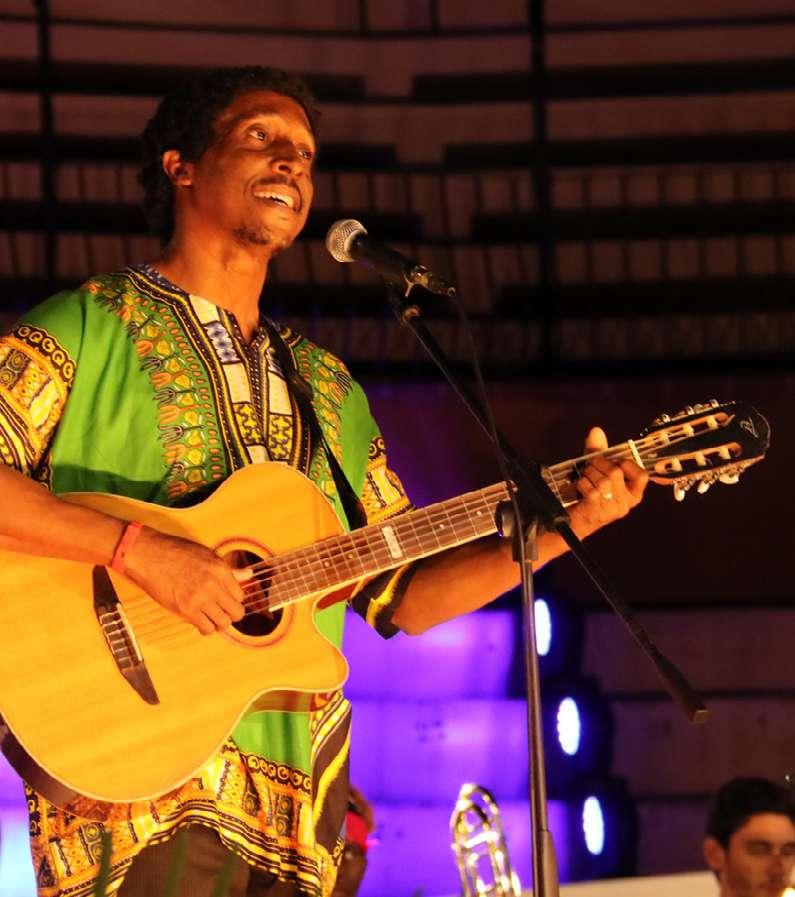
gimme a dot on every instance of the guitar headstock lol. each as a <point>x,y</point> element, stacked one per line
<point>704,444</point>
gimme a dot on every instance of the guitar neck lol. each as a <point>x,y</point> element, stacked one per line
<point>340,560</point>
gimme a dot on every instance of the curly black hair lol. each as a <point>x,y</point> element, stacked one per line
<point>184,121</point>
<point>739,799</point>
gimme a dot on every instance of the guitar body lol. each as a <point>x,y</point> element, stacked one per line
<point>89,719</point>
<point>77,725</point>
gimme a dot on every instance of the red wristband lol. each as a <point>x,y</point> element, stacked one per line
<point>128,539</point>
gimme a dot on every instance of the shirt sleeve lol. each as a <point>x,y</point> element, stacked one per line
<point>36,375</point>
<point>383,497</point>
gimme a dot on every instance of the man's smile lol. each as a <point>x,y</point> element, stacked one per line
<point>280,195</point>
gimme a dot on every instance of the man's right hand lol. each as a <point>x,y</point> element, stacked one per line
<point>187,579</point>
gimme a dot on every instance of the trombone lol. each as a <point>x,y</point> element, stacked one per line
<point>479,845</point>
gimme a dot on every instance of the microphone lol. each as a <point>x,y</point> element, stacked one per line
<point>347,241</point>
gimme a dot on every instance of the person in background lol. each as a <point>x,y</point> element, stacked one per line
<point>750,840</point>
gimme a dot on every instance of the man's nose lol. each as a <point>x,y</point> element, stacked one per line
<point>286,157</point>
<point>776,862</point>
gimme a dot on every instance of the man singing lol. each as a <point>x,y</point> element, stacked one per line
<point>158,382</point>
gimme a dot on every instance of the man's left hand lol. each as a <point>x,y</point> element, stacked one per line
<point>609,490</point>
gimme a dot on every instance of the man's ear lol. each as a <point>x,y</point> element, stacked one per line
<point>177,170</point>
<point>714,854</point>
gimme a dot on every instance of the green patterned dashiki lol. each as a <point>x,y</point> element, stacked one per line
<point>131,386</point>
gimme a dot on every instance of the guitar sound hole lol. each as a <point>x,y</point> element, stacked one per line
<point>259,620</point>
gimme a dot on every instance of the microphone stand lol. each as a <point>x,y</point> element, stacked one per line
<point>532,507</point>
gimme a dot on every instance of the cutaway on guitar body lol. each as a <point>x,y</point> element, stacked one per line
<point>78,726</point>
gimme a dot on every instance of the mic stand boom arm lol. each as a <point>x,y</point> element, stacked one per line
<point>535,507</point>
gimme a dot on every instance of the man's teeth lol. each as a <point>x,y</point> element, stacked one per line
<point>278,197</point>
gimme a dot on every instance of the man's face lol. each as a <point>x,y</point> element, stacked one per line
<point>254,182</point>
<point>758,860</point>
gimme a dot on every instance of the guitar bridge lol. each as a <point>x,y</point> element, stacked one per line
<point>120,637</point>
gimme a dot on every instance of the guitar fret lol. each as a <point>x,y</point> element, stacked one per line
<point>425,515</point>
<point>411,540</point>
<point>445,534</point>
<point>342,557</point>
<point>327,567</point>
<point>464,529</point>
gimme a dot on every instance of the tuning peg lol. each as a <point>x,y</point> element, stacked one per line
<point>703,486</point>
<point>679,492</point>
<point>729,479</point>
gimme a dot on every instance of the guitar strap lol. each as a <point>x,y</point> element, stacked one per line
<point>302,390</point>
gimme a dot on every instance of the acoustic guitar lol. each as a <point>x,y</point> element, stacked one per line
<point>106,695</point>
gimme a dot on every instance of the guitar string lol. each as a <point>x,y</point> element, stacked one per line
<point>331,551</point>
<point>284,569</point>
<point>297,572</point>
<point>296,562</point>
<point>257,602</point>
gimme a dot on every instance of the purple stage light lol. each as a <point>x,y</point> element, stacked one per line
<point>593,825</point>
<point>569,726</point>
<point>543,620</point>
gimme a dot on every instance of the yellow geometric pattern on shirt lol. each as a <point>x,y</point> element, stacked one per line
<point>262,811</point>
<point>383,495</point>
<point>247,423</point>
<point>329,730</point>
<point>280,436</point>
<point>324,722</point>
<point>36,373</point>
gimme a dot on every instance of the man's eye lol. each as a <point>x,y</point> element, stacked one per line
<point>259,133</point>
<point>306,154</point>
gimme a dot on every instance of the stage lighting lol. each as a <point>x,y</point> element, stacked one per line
<point>543,621</point>
<point>600,831</point>
<point>577,734</point>
<point>609,830</point>
<point>568,726</point>
<point>593,825</point>
<point>559,636</point>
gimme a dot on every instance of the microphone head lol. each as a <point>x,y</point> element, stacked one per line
<point>340,237</point>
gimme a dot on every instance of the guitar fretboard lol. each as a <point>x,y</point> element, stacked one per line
<point>339,560</point>
<point>347,558</point>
